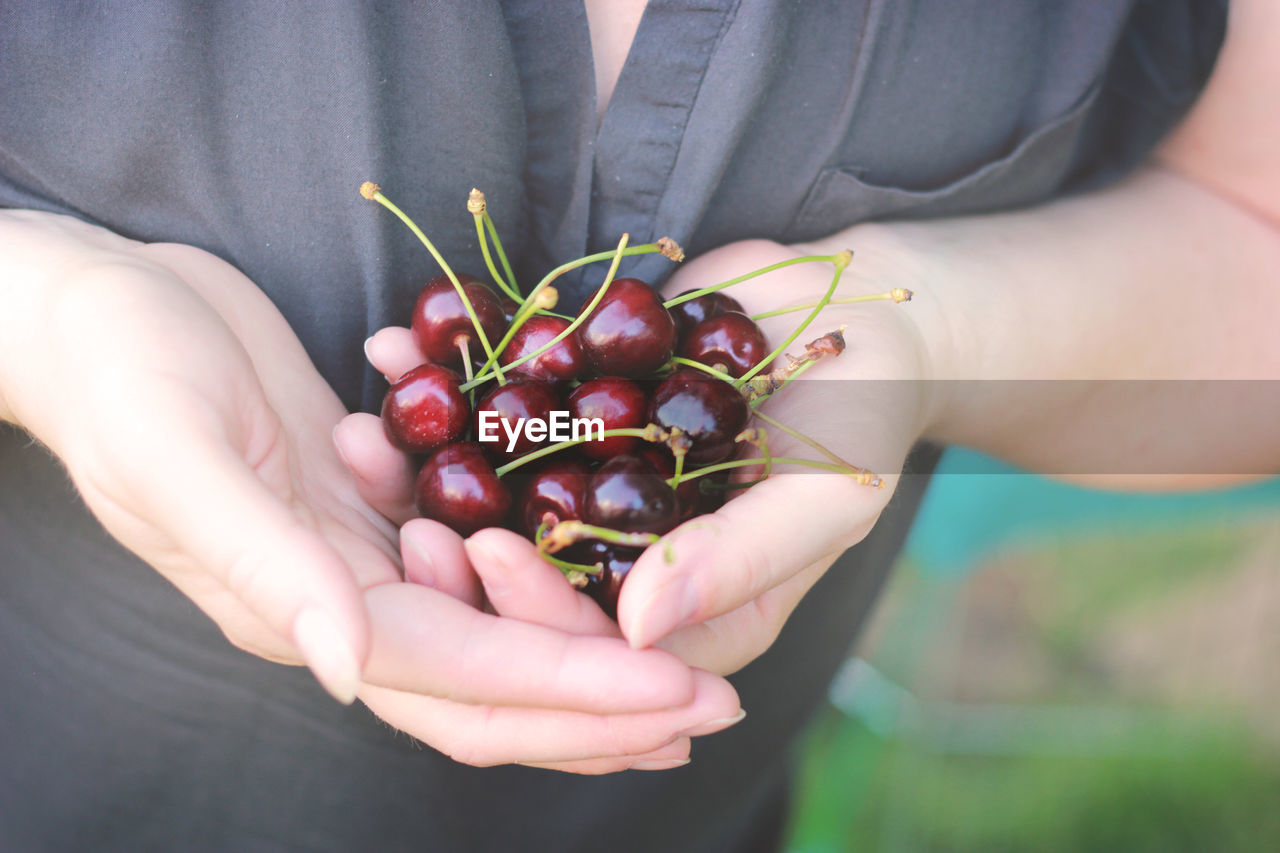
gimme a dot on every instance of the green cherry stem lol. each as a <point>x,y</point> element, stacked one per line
<point>566,533</point>
<point>688,362</point>
<point>799,436</point>
<point>898,294</point>
<point>479,210</point>
<point>373,192</point>
<point>568,330</point>
<point>861,475</point>
<point>538,301</point>
<point>569,568</point>
<point>807,259</point>
<point>647,433</point>
<point>502,255</point>
<point>759,401</point>
<point>841,261</point>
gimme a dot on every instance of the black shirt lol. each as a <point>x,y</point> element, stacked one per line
<point>245,128</point>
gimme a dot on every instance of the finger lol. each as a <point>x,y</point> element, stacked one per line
<point>249,539</point>
<point>393,352</point>
<point>383,474</point>
<point>669,757</point>
<point>521,585</point>
<point>485,735</point>
<point>715,564</point>
<point>727,643</point>
<point>434,556</point>
<point>428,643</point>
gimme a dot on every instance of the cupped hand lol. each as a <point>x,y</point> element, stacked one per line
<point>201,435</point>
<point>719,588</point>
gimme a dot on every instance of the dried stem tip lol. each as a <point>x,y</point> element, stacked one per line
<point>832,343</point>
<point>546,298</point>
<point>475,202</point>
<point>842,260</point>
<point>369,189</point>
<point>670,249</point>
<point>900,294</point>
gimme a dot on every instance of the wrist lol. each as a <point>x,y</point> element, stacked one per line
<point>898,255</point>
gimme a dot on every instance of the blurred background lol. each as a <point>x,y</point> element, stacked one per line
<point>1057,669</point>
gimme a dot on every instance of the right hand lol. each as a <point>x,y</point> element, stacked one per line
<point>197,430</point>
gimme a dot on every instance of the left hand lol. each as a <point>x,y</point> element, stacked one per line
<point>737,574</point>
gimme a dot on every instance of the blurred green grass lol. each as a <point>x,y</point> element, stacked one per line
<point>1104,691</point>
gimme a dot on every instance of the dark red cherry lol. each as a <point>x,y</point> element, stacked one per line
<point>565,360</point>
<point>617,561</point>
<point>704,307</point>
<point>509,309</point>
<point>629,333</point>
<point>458,487</point>
<point>629,494</point>
<point>687,493</point>
<point>555,491</point>
<point>619,404</point>
<point>521,398</point>
<point>709,411</point>
<point>424,409</point>
<point>440,320</point>
<point>731,342</point>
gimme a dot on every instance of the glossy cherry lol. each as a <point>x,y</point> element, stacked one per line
<point>556,491</point>
<point>424,409</point>
<point>709,411</point>
<point>687,492</point>
<point>627,493</point>
<point>731,342</point>
<point>458,487</point>
<point>629,333</point>
<point>440,321</point>
<point>521,397</point>
<point>619,403</point>
<point>691,313</point>
<point>617,561</point>
<point>565,360</point>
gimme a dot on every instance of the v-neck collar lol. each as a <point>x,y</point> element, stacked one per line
<point>588,183</point>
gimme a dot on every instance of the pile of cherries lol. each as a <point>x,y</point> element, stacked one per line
<point>662,378</point>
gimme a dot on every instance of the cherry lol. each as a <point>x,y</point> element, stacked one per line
<point>424,409</point>
<point>629,494</point>
<point>619,403</point>
<point>565,360</point>
<point>665,464</point>
<point>522,397</point>
<point>691,313</point>
<point>709,411</point>
<point>731,342</point>
<point>440,321</point>
<point>509,310</point>
<point>617,560</point>
<point>629,333</point>
<point>555,492</point>
<point>458,487</point>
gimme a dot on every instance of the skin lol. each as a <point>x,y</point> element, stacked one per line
<point>1167,275</point>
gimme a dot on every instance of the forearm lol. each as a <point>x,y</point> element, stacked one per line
<point>1154,279</point>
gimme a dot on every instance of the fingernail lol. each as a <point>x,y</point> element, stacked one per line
<point>367,341</point>
<point>666,610</point>
<point>327,654</point>
<point>713,726</point>
<point>660,764</point>
<point>424,574</point>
